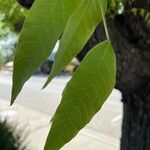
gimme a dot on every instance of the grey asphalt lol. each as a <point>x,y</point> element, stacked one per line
<point>107,122</point>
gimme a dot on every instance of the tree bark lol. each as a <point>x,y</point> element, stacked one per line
<point>136,122</point>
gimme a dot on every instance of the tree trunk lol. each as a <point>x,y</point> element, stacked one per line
<point>136,123</point>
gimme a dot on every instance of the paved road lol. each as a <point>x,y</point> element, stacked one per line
<point>107,121</point>
<point>32,96</point>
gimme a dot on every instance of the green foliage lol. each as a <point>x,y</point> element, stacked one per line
<point>83,95</point>
<point>78,30</point>
<point>12,13</point>
<point>2,60</point>
<point>114,5</point>
<point>9,139</point>
<point>92,82</point>
<point>40,34</point>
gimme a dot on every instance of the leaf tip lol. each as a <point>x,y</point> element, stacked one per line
<point>12,101</point>
<point>13,96</point>
<point>45,85</point>
<point>47,82</point>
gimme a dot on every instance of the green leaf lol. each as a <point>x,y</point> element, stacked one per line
<point>43,27</point>
<point>84,95</point>
<point>79,28</point>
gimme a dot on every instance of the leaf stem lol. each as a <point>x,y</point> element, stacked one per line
<point>104,22</point>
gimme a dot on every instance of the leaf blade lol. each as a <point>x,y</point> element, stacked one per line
<point>83,95</point>
<point>43,27</point>
<point>79,28</point>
